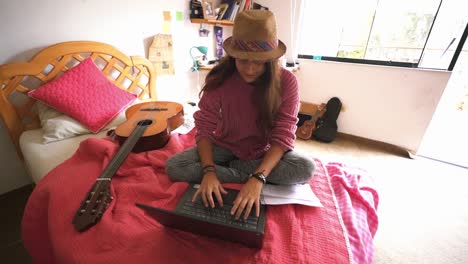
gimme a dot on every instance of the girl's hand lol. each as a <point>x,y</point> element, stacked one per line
<point>247,197</point>
<point>210,185</point>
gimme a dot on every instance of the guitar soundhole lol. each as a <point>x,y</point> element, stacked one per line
<point>145,122</point>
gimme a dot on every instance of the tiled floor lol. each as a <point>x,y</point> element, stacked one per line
<point>11,246</point>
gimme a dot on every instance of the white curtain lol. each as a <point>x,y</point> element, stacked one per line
<point>296,7</point>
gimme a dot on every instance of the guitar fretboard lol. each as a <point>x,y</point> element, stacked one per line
<point>122,153</point>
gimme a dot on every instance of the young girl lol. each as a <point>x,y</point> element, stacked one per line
<point>247,120</point>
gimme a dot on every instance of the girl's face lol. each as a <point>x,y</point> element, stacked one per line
<point>250,70</point>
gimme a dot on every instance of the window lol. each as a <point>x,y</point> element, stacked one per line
<point>416,33</point>
<point>448,33</point>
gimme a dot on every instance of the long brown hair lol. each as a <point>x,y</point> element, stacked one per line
<point>267,96</point>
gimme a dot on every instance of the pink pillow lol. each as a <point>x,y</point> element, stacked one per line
<point>85,94</point>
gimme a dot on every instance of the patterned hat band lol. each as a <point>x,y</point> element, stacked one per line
<point>254,45</point>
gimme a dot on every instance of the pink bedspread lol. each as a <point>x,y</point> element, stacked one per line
<point>294,233</point>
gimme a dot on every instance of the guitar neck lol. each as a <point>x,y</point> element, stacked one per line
<point>122,153</point>
<point>99,196</point>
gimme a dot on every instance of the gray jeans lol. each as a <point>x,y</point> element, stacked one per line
<point>185,166</point>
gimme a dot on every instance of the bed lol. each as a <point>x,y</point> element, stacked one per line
<point>21,113</point>
<point>66,162</point>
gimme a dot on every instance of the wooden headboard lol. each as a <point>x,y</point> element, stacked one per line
<point>17,111</point>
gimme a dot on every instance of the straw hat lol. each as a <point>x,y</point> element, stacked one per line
<point>254,37</point>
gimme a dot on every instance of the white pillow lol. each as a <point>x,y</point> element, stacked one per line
<point>58,126</point>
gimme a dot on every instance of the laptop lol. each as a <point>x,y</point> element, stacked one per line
<point>212,222</point>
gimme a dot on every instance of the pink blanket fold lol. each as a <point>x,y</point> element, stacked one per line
<point>358,201</point>
<point>294,233</point>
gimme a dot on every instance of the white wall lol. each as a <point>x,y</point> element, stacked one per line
<point>388,104</point>
<point>12,171</point>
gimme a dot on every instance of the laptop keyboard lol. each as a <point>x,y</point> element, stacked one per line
<point>221,215</point>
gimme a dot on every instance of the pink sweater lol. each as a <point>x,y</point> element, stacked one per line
<point>228,117</point>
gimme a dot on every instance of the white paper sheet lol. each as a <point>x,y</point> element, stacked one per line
<point>290,194</point>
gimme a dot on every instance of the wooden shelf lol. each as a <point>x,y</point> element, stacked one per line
<point>206,68</point>
<point>211,21</point>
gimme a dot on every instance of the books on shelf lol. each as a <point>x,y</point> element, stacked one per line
<point>233,7</point>
<point>229,8</point>
<point>234,11</point>
<point>222,10</point>
<point>258,6</point>
<point>196,10</point>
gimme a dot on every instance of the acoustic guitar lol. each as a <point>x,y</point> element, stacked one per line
<point>148,126</point>
<point>307,128</point>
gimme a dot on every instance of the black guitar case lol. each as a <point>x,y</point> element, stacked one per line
<point>326,127</point>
